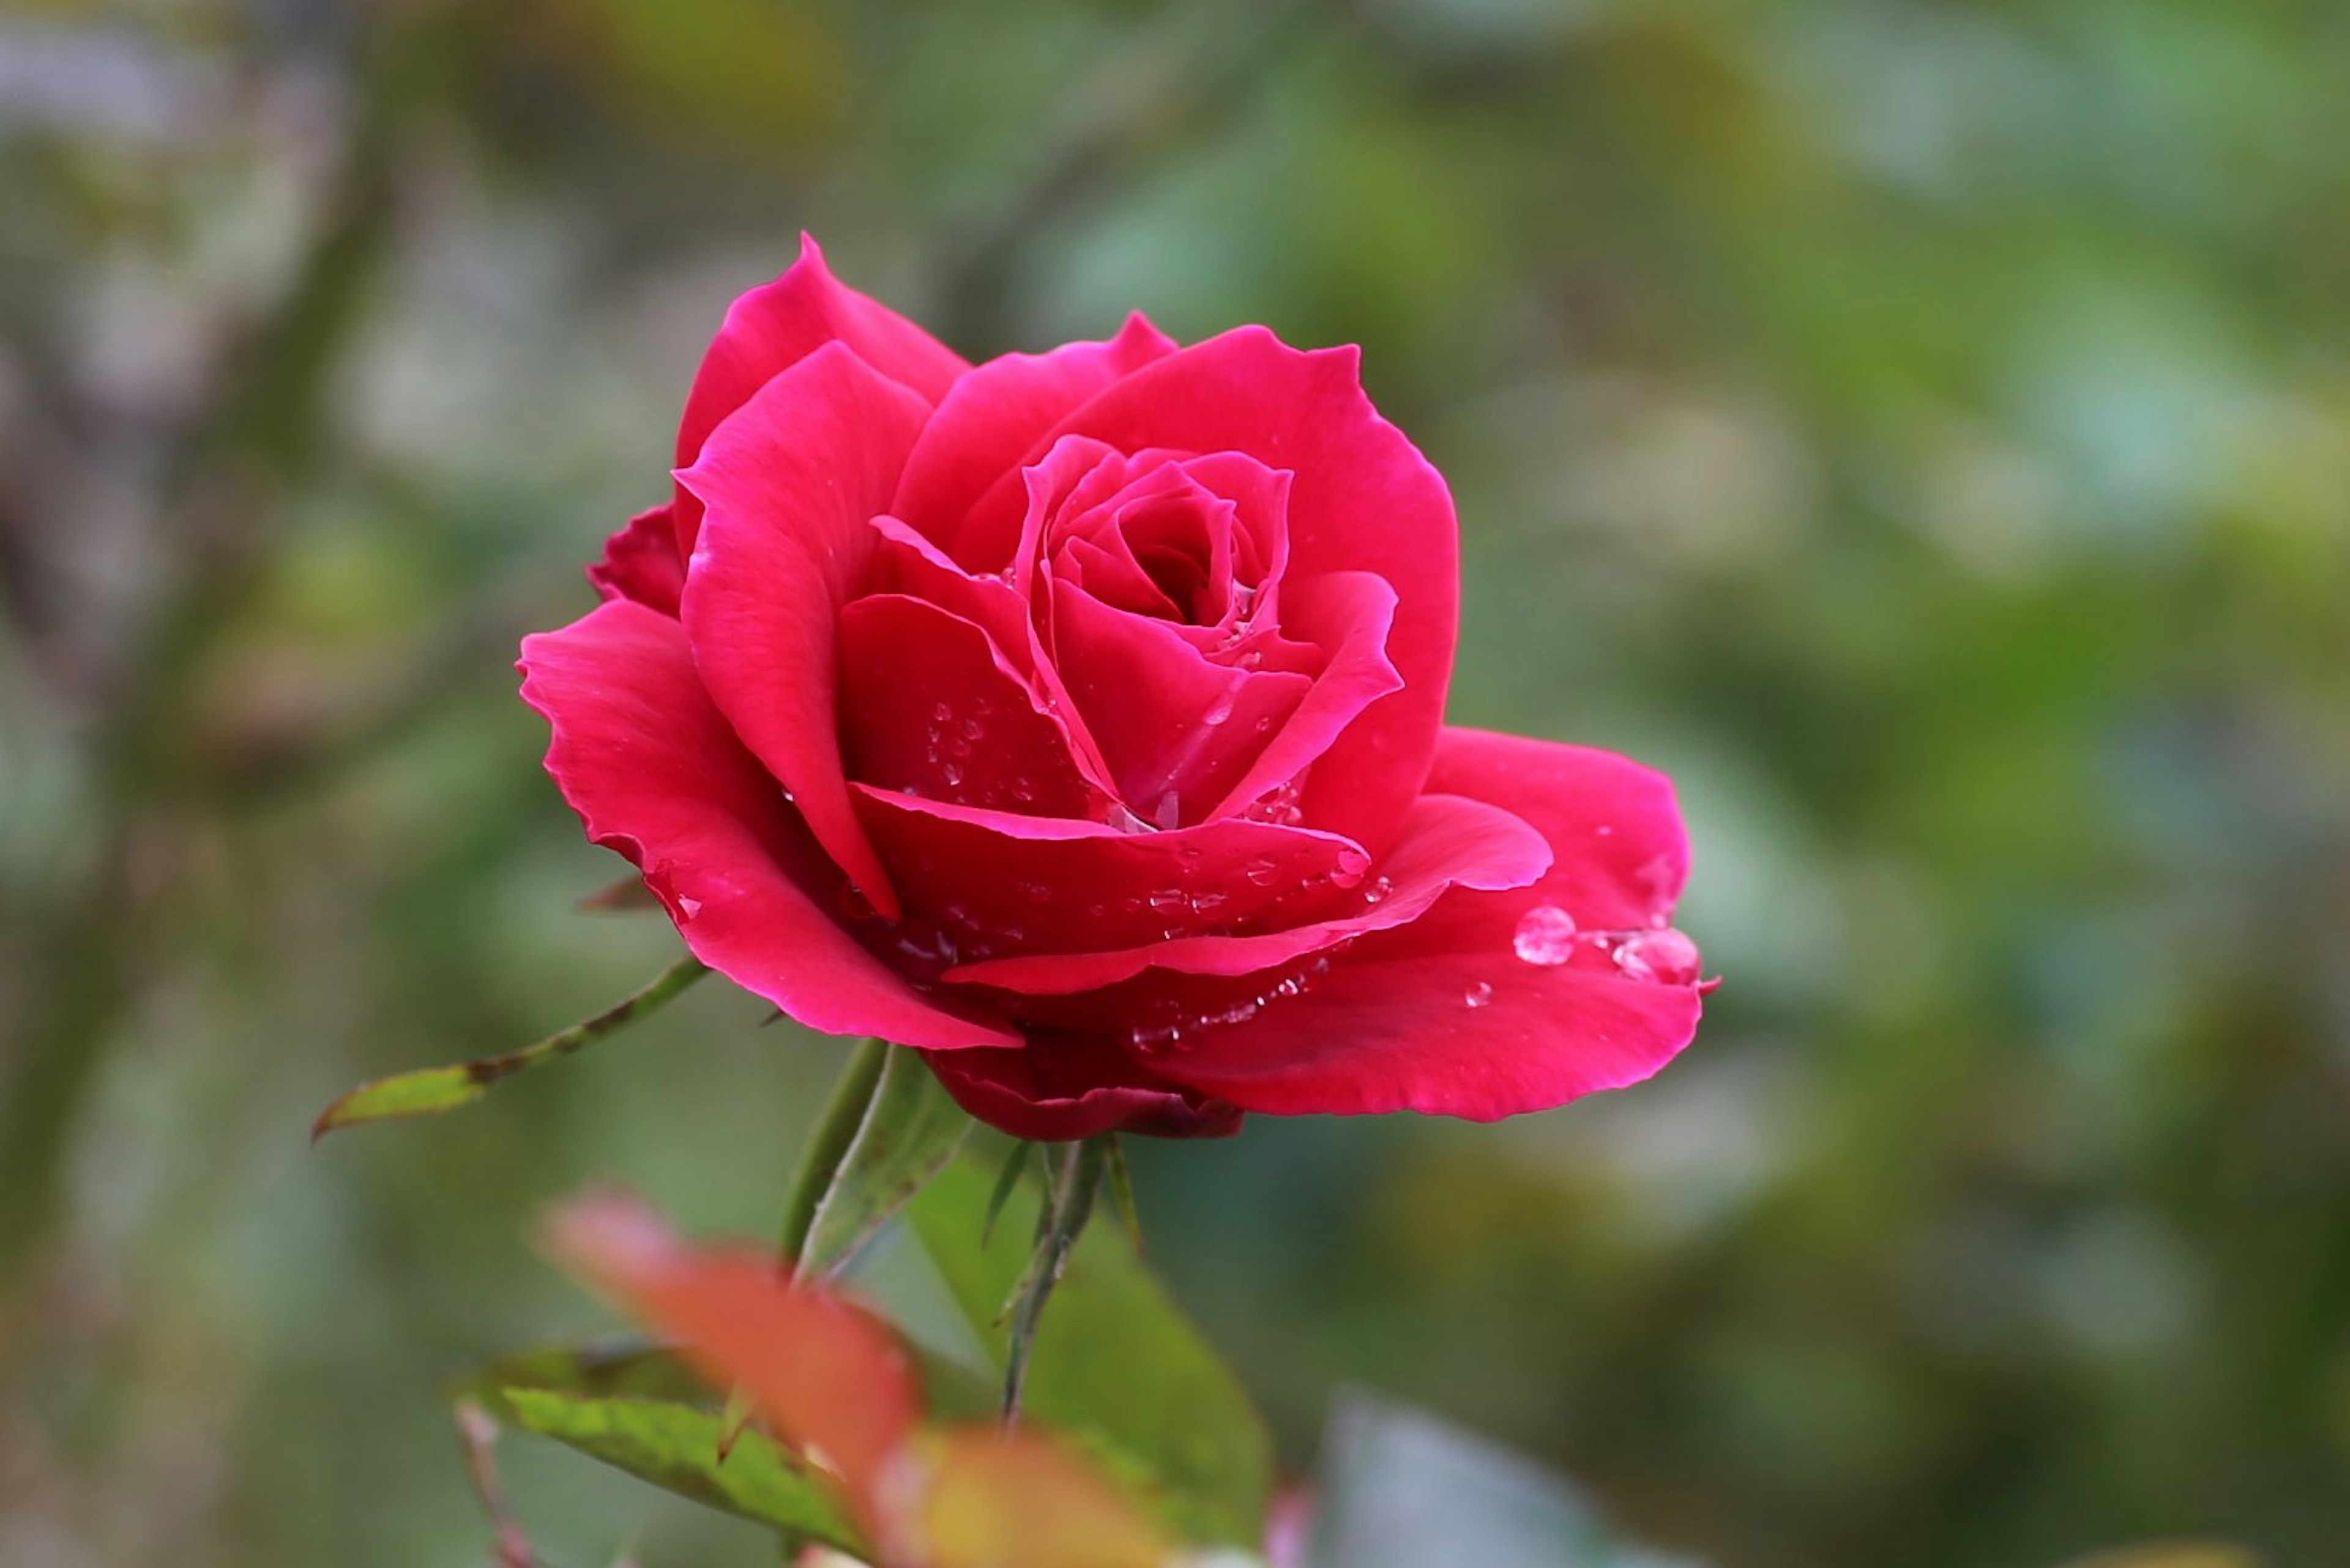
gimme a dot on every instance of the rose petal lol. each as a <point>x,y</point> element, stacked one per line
<point>1446,842</point>
<point>928,707</point>
<point>1350,614</point>
<point>792,481</point>
<point>778,324</point>
<point>989,422</point>
<point>655,774</point>
<point>1027,884</point>
<point>640,562</point>
<point>1363,499</point>
<point>1443,1015</point>
<point>1058,1090</point>
<point>1623,852</point>
<point>1171,725</point>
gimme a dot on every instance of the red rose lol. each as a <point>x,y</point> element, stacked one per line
<point>1077,718</point>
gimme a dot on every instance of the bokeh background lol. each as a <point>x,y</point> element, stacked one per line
<point>1921,427</point>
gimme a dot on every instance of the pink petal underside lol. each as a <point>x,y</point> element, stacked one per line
<point>778,324</point>
<point>1056,1091</point>
<point>928,707</point>
<point>993,418</point>
<point>1447,842</point>
<point>1363,499</point>
<point>1442,1015</point>
<point>640,562</point>
<point>1171,726</point>
<point>792,480</point>
<point>1349,615</point>
<point>655,773</point>
<point>1054,884</point>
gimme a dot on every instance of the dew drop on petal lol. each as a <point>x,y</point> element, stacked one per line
<point>1477,995</point>
<point>1377,889</point>
<point>1259,872</point>
<point>1545,936</point>
<point>1667,957</point>
<point>1169,813</point>
<point>1167,900</point>
<point>1218,710</point>
<point>943,712</point>
<point>688,908</point>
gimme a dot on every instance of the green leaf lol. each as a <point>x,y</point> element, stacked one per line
<point>1403,1489</point>
<point>909,1132</point>
<point>675,1447</point>
<point>1118,1367</point>
<point>431,1091</point>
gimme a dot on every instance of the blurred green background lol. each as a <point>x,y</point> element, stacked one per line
<point>1923,428</point>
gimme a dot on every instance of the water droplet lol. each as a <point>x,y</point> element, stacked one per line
<point>1167,900</point>
<point>1207,903</point>
<point>1155,1039</point>
<point>1170,814</point>
<point>1378,889</point>
<point>952,774</point>
<point>1259,872</point>
<point>972,729</point>
<point>1218,710</point>
<point>1545,936</point>
<point>1263,723</point>
<point>1024,790</point>
<point>943,712</point>
<point>1122,818</point>
<point>1667,957</point>
<point>1478,995</point>
<point>688,908</point>
<point>1034,892</point>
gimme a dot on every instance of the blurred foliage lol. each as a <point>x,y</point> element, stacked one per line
<point>1922,427</point>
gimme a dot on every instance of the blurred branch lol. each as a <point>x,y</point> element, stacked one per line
<point>223,493</point>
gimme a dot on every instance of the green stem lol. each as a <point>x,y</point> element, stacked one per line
<point>829,1143</point>
<point>430,1091</point>
<point>1078,1177</point>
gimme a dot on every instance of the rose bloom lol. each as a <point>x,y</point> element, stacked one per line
<point>1077,719</point>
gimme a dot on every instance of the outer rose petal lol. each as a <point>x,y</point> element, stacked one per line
<point>792,481</point>
<point>778,324</point>
<point>1443,1015</point>
<point>1030,883</point>
<point>987,423</point>
<point>640,562</point>
<point>654,772</point>
<point>1447,842</point>
<point>1363,499</point>
<point>1058,1089</point>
